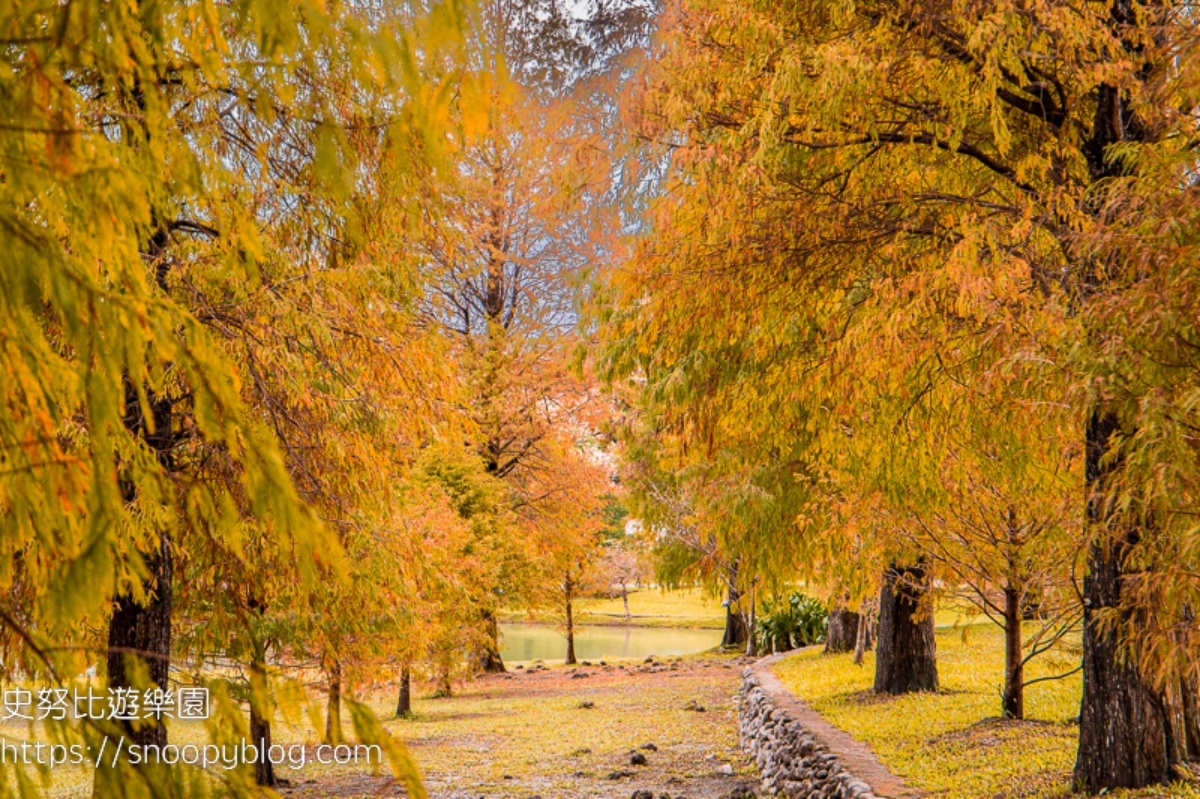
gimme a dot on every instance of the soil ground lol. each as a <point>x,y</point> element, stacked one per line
<point>533,733</point>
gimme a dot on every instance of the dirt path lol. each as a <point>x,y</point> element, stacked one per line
<point>565,733</point>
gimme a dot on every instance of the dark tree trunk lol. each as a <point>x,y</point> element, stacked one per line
<point>139,634</point>
<point>260,722</point>
<point>260,737</point>
<point>139,642</point>
<point>333,707</point>
<point>735,629</point>
<point>735,626</point>
<point>490,660</point>
<point>570,586</point>
<point>1014,670</point>
<point>404,702</point>
<point>139,639</point>
<point>1123,729</point>
<point>1124,732</point>
<point>905,655</point>
<point>1186,693</point>
<point>842,632</point>
<point>749,626</point>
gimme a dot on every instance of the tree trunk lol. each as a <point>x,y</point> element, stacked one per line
<point>139,640</point>
<point>1187,691</point>
<point>260,721</point>
<point>862,640</point>
<point>842,633</point>
<point>260,737</point>
<point>735,628</point>
<point>570,585</point>
<point>906,654</point>
<point>625,600</point>
<point>751,633</point>
<point>1177,738</point>
<point>1189,694</point>
<point>404,702</point>
<point>1124,732</point>
<point>1014,670</point>
<point>445,688</point>
<point>139,647</point>
<point>1123,729</point>
<point>333,707</point>
<point>490,660</point>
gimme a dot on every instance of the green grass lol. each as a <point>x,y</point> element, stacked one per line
<point>953,744</point>
<point>648,607</point>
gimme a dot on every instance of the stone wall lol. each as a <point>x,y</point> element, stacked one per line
<point>798,753</point>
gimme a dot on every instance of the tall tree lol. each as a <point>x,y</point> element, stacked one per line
<point>133,137</point>
<point>958,171</point>
<point>506,247</point>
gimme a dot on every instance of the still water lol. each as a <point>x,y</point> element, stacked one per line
<point>545,642</point>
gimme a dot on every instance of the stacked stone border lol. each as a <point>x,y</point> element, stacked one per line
<point>799,754</point>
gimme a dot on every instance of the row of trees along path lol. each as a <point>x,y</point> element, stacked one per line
<point>917,306</point>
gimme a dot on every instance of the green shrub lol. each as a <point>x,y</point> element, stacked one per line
<point>793,621</point>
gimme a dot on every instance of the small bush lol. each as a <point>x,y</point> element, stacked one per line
<point>794,621</point>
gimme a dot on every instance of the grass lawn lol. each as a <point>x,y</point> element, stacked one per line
<point>953,744</point>
<point>648,607</point>
<point>527,734</point>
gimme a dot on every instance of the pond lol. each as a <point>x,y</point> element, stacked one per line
<point>545,642</point>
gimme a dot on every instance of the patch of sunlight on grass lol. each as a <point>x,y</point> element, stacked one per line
<point>649,607</point>
<point>688,607</point>
<point>952,743</point>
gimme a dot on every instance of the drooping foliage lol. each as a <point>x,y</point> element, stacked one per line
<point>903,282</point>
<point>197,329</point>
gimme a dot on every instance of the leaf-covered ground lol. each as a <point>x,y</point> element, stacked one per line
<point>952,744</point>
<point>533,733</point>
<point>555,732</point>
